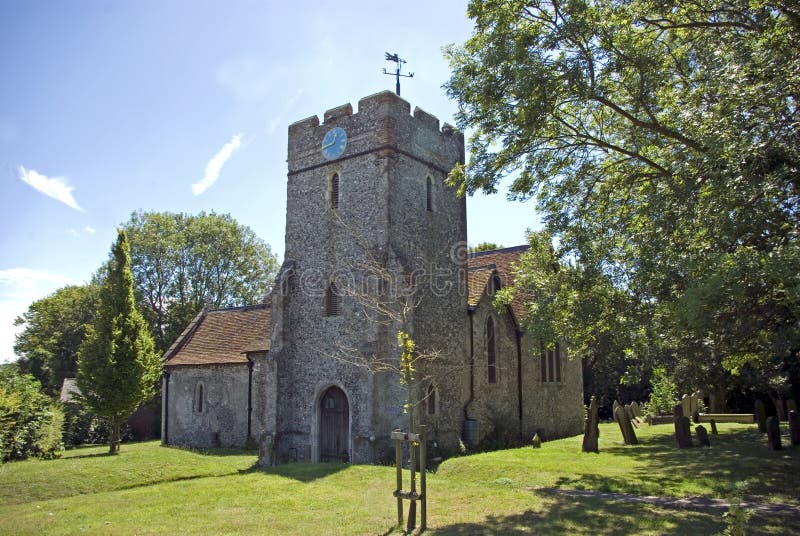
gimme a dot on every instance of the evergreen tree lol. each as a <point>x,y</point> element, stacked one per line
<point>117,363</point>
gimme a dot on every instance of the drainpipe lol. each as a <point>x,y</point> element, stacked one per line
<point>519,377</point>
<point>470,313</point>
<point>249,397</point>
<point>165,409</point>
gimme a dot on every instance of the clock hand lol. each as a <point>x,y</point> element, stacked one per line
<point>326,145</point>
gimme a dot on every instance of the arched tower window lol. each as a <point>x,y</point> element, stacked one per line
<point>198,398</point>
<point>333,192</point>
<point>491,358</point>
<point>430,400</point>
<point>333,301</point>
<point>429,194</point>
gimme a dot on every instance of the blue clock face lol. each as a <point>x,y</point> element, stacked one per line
<point>334,143</point>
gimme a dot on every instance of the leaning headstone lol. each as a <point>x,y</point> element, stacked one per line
<point>677,411</point>
<point>614,409</point>
<point>629,415</point>
<point>794,428</point>
<point>636,409</point>
<point>536,442</point>
<point>686,404</point>
<point>773,433</point>
<point>702,436</point>
<point>628,435</point>
<point>683,435</point>
<point>761,416</point>
<point>713,424</point>
<point>591,430</point>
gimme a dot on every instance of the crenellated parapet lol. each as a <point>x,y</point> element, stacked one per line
<point>384,121</point>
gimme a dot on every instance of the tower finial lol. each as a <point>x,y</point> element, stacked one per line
<point>399,61</point>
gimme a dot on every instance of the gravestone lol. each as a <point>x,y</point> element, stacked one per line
<point>696,417</point>
<point>628,435</point>
<point>794,428</point>
<point>614,409</point>
<point>630,416</point>
<point>761,416</point>
<point>702,436</point>
<point>713,424</point>
<point>683,435</point>
<point>773,433</point>
<point>677,411</point>
<point>591,430</point>
<point>637,409</point>
<point>536,442</point>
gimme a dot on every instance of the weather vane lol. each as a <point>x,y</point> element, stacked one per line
<point>399,61</point>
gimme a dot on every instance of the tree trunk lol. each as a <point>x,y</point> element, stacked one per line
<point>114,448</point>
<point>718,399</point>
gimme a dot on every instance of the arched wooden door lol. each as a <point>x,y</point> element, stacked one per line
<point>334,426</point>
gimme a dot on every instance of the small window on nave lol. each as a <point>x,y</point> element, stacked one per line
<point>551,364</point>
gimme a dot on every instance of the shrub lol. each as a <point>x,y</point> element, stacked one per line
<point>30,423</point>
<point>663,396</point>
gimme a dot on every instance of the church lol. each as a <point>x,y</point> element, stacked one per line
<point>375,245</point>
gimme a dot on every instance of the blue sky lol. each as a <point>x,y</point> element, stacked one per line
<point>107,107</point>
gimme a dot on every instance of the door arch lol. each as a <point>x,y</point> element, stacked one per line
<point>334,426</point>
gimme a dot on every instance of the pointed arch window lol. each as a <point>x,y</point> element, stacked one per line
<point>333,301</point>
<point>551,364</point>
<point>491,357</point>
<point>333,192</point>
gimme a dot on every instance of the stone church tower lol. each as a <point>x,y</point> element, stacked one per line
<point>374,243</point>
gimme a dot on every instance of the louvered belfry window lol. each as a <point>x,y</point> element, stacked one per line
<point>333,301</point>
<point>334,192</point>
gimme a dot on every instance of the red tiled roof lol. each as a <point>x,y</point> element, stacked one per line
<point>480,267</point>
<point>222,336</point>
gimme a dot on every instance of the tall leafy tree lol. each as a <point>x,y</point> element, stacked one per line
<point>661,140</point>
<point>53,330</point>
<point>182,263</point>
<point>118,366</point>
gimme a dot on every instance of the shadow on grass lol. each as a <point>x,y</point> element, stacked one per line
<point>300,471</point>
<point>566,515</point>
<point>81,456</point>
<point>734,456</point>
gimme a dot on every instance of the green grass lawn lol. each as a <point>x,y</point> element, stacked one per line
<point>149,489</point>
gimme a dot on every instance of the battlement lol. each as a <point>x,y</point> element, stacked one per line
<point>384,103</point>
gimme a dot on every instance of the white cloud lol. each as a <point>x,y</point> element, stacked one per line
<point>20,287</point>
<point>214,166</point>
<point>27,278</point>
<point>55,187</point>
<point>76,233</point>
